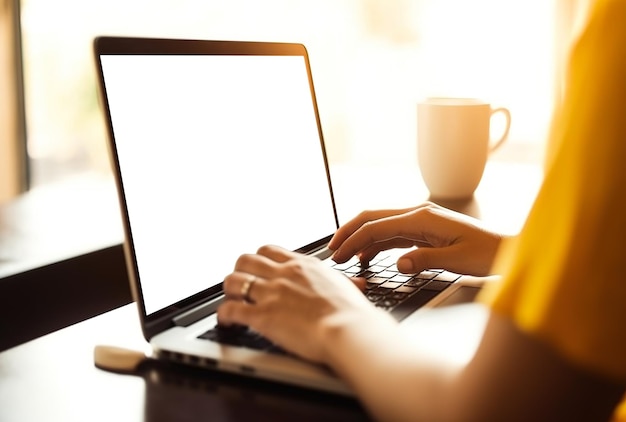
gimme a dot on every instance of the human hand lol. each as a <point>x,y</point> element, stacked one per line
<point>294,300</point>
<point>444,239</point>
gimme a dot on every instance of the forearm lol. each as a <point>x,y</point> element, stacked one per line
<point>396,381</point>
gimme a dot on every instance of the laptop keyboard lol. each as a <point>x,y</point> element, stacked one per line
<point>242,336</point>
<point>394,291</point>
<point>387,288</point>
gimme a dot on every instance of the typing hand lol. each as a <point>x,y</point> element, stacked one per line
<point>444,239</point>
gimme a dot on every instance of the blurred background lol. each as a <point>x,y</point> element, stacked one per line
<point>372,61</point>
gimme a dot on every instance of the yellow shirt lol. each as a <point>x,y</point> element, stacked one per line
<point>564,277</point>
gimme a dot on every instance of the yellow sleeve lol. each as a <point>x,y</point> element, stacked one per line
<point>565,277</point>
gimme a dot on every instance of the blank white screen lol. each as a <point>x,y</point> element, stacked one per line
<point>218,155</point>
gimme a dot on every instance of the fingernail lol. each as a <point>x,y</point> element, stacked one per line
<point>405,265</point>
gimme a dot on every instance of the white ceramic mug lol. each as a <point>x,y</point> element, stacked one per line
<point>454,143</point>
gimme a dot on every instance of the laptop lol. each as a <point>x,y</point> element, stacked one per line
<point>217,149</point>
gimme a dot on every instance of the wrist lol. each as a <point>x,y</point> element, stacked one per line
<point>346,337</point>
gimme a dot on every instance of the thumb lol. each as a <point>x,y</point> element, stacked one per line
<point>424,258</point>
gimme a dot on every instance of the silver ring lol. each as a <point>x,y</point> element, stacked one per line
<point>245,288</point>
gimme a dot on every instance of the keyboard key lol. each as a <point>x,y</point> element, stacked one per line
<point>376,268</point>
<point>383,259</point>
<point>427,275</point>
<point>353,270</point>
<point>344,266</point>
<point>382,291</point>
<point>391,285</point>
<point>396,295</point>
<point>376,280</point>
<point>405,289</point>
<point>387,303</point>
<point>436,286</point>
<point>447,277</point>
<point>400,278</point>
<point>374,297</point>
<point>416,283</point>
<point>366,274</point>
<point>393,268</point>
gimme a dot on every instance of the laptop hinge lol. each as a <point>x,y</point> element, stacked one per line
<point>193,315</point>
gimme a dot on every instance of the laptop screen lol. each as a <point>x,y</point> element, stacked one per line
<point>218,155</point>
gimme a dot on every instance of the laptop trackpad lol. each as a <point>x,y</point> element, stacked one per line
<point>464,294</point>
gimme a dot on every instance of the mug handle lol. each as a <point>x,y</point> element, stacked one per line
<point>507,115</point>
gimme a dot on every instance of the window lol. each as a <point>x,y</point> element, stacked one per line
<point>372,60</point>
<point>12,150</point>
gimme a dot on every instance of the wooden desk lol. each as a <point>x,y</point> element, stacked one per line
<point>53,377</point>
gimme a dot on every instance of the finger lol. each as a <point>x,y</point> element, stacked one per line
<point>237,312</point>
<point>383,230</point>
<point>368,253</point>
<point>255,264</point>
<point>421,259</point>
<point>347,229</point>
<point>277,254</point>
<point>244,287</point>
<point>408,229</point>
